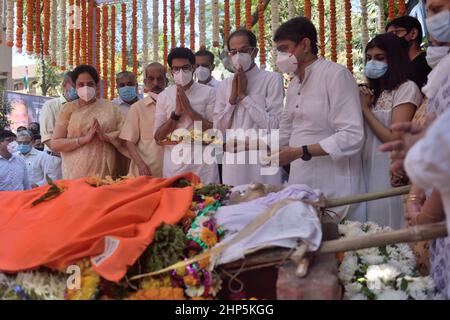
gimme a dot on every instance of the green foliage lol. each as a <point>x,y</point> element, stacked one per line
<point>5,109</point>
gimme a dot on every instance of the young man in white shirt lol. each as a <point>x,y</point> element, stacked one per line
<point>13,171</point>
<point>204,66</point>
<point>35,160</point>
<point>321,130</point>
<point>127,88</point>
<point>178,107</point>
<point>251,99</point>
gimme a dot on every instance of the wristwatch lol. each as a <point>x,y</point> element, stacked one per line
<point>174,116</point>
<point>306,155</point>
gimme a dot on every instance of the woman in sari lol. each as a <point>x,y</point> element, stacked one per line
<point>87,130</point>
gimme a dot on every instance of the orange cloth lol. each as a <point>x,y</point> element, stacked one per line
<point>117,221</point>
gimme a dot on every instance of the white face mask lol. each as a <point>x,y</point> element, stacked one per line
<point>286,62</point>
<point>439,26</point>
<point>182,78</point>
<point>202,73</point>
<point>86,93</point>
<point>435,54</point>
<point>243,60</point>
<point>12,147</point>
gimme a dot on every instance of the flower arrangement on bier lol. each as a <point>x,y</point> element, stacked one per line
<point>19,25</point>
<point>381,273</point>
<point>10,23</point>
<point>172,23</point>
<point>112,77</point>
<point>165,49</point>
<point>54,37</point>
<point>364,27</point>
<point>215,22</point>
<point>123,7</point>
<point>71,35</point>
<point>321,8</point>
<point>348,35</point>
<point>333,30</point>
<point>182,22</point>
<point>308,9</point>
<point>202,24</point>
<point>90,281</point>
<point>237,13</point>
<point>275,22</point>
<point>401,7</point>
<point>47,27</point>
<point>226,9</point>
<point>77,35</point>
<point>192,24</point>
<point>262,45</point>
<point>155,38</point>
<point>248,14</point>
<point>30,25</point>
<point>391,10</point>
<point>105,50</point>
<point>83,32</point>
<point>144,31</point>
<point>134,36</point>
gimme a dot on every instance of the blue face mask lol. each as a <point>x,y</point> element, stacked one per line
<point>375,69</point>
<point>24,148</point>
<point>72,94</point>
<point>439,26</point>
<point>127,93</point>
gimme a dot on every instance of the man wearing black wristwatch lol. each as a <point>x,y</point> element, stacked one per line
<point>178,107</point>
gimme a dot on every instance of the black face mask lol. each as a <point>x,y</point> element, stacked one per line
<point>405,43</point>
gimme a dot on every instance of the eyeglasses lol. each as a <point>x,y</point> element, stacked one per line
<point>397,31</point>
<point>242,50</point>
<point>186,67</point>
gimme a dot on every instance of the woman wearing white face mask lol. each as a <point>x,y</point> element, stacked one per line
<point>86,131</point>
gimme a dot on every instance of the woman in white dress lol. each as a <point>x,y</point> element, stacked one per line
<point>389,98</point>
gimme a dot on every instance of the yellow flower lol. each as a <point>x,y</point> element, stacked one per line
<point>189,280</point>
<point>208,237</point>
<point>204,263</point>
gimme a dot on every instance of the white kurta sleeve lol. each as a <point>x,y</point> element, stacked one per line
<point>210,105</point>
<point>345,116</point>
<point>268,116</point>
<point>428,161</point>
<point>223,110</point>
<point>286,123</point>
<point>160,112</point>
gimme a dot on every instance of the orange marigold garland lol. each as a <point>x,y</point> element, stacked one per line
<point>401,7</point>
<point>19,25</point>
<point>308,9</point>
<point>30,25</point>
<point>182,23</point>
<point>90,31</point>
<point>112,81</point>
<point>248,14</point>
<point>124,36</point>
<point>321,8</point>
<point>77,37</point>
<point>391,10</point>
<point>83,32</point>
<point>105,50</point>
<point>262,47</point>
<point>46,26</point>
<point>172,24</point>
<point>202,23</point>
<point>192,24</point>
<point>226,8</point>
<point>165,33</point>
<point>237,13</point>
<point>348,35</point>
<point>134,37</point>
<point>70,40</point>
<point>333,30</point>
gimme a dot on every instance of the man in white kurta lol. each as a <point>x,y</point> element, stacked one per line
<point>259,106</point>
<point>322,125</point>
<point>171,115</point>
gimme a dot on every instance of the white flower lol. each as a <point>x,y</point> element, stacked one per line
<point>373,259</point>
<point>194,291</point>
<point>352,289</point>
<point>379,275</point>
<point>348,267</point>
<point>390,294</point>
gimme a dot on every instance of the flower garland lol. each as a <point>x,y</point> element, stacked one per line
<point>30,25</point>
<point>333,30</point>
<point>155,30</point>
<point>226,8</point>
<point>144,31</point>
<point>182,20</point>
<point>391,10</point>
<point>237,13</point>
<point>83,32</point>
<point>308,9</point>
<point>202,23</point>
<point>248,14</point>
<point>275,24</point>
<point>1,24</point>
<point>382,273</point>
<point>98,65</point>
<point>172,24</point>
<point>77,35</point>
<point>292,11</point>
<point>364,27</point>
<point>348,34</point>
<point>165,49</point>
<point>54,30</point>
<point>90,24</point>
<point>262,46</point>
<point>62,44</point>
<point>19,24</point>
<point>10,23</point>
<point>401,7</point>
<point>192,24</point>
<point>46,27</point>
<point>105,50</point>
<point>70,40</point>
<point>381,17</point>
<point>124,35</point>
<point>112,77</point>
<point>215,22</point>
<point>37,45</point>
<point>134,37</point>
<point>321,8</point>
